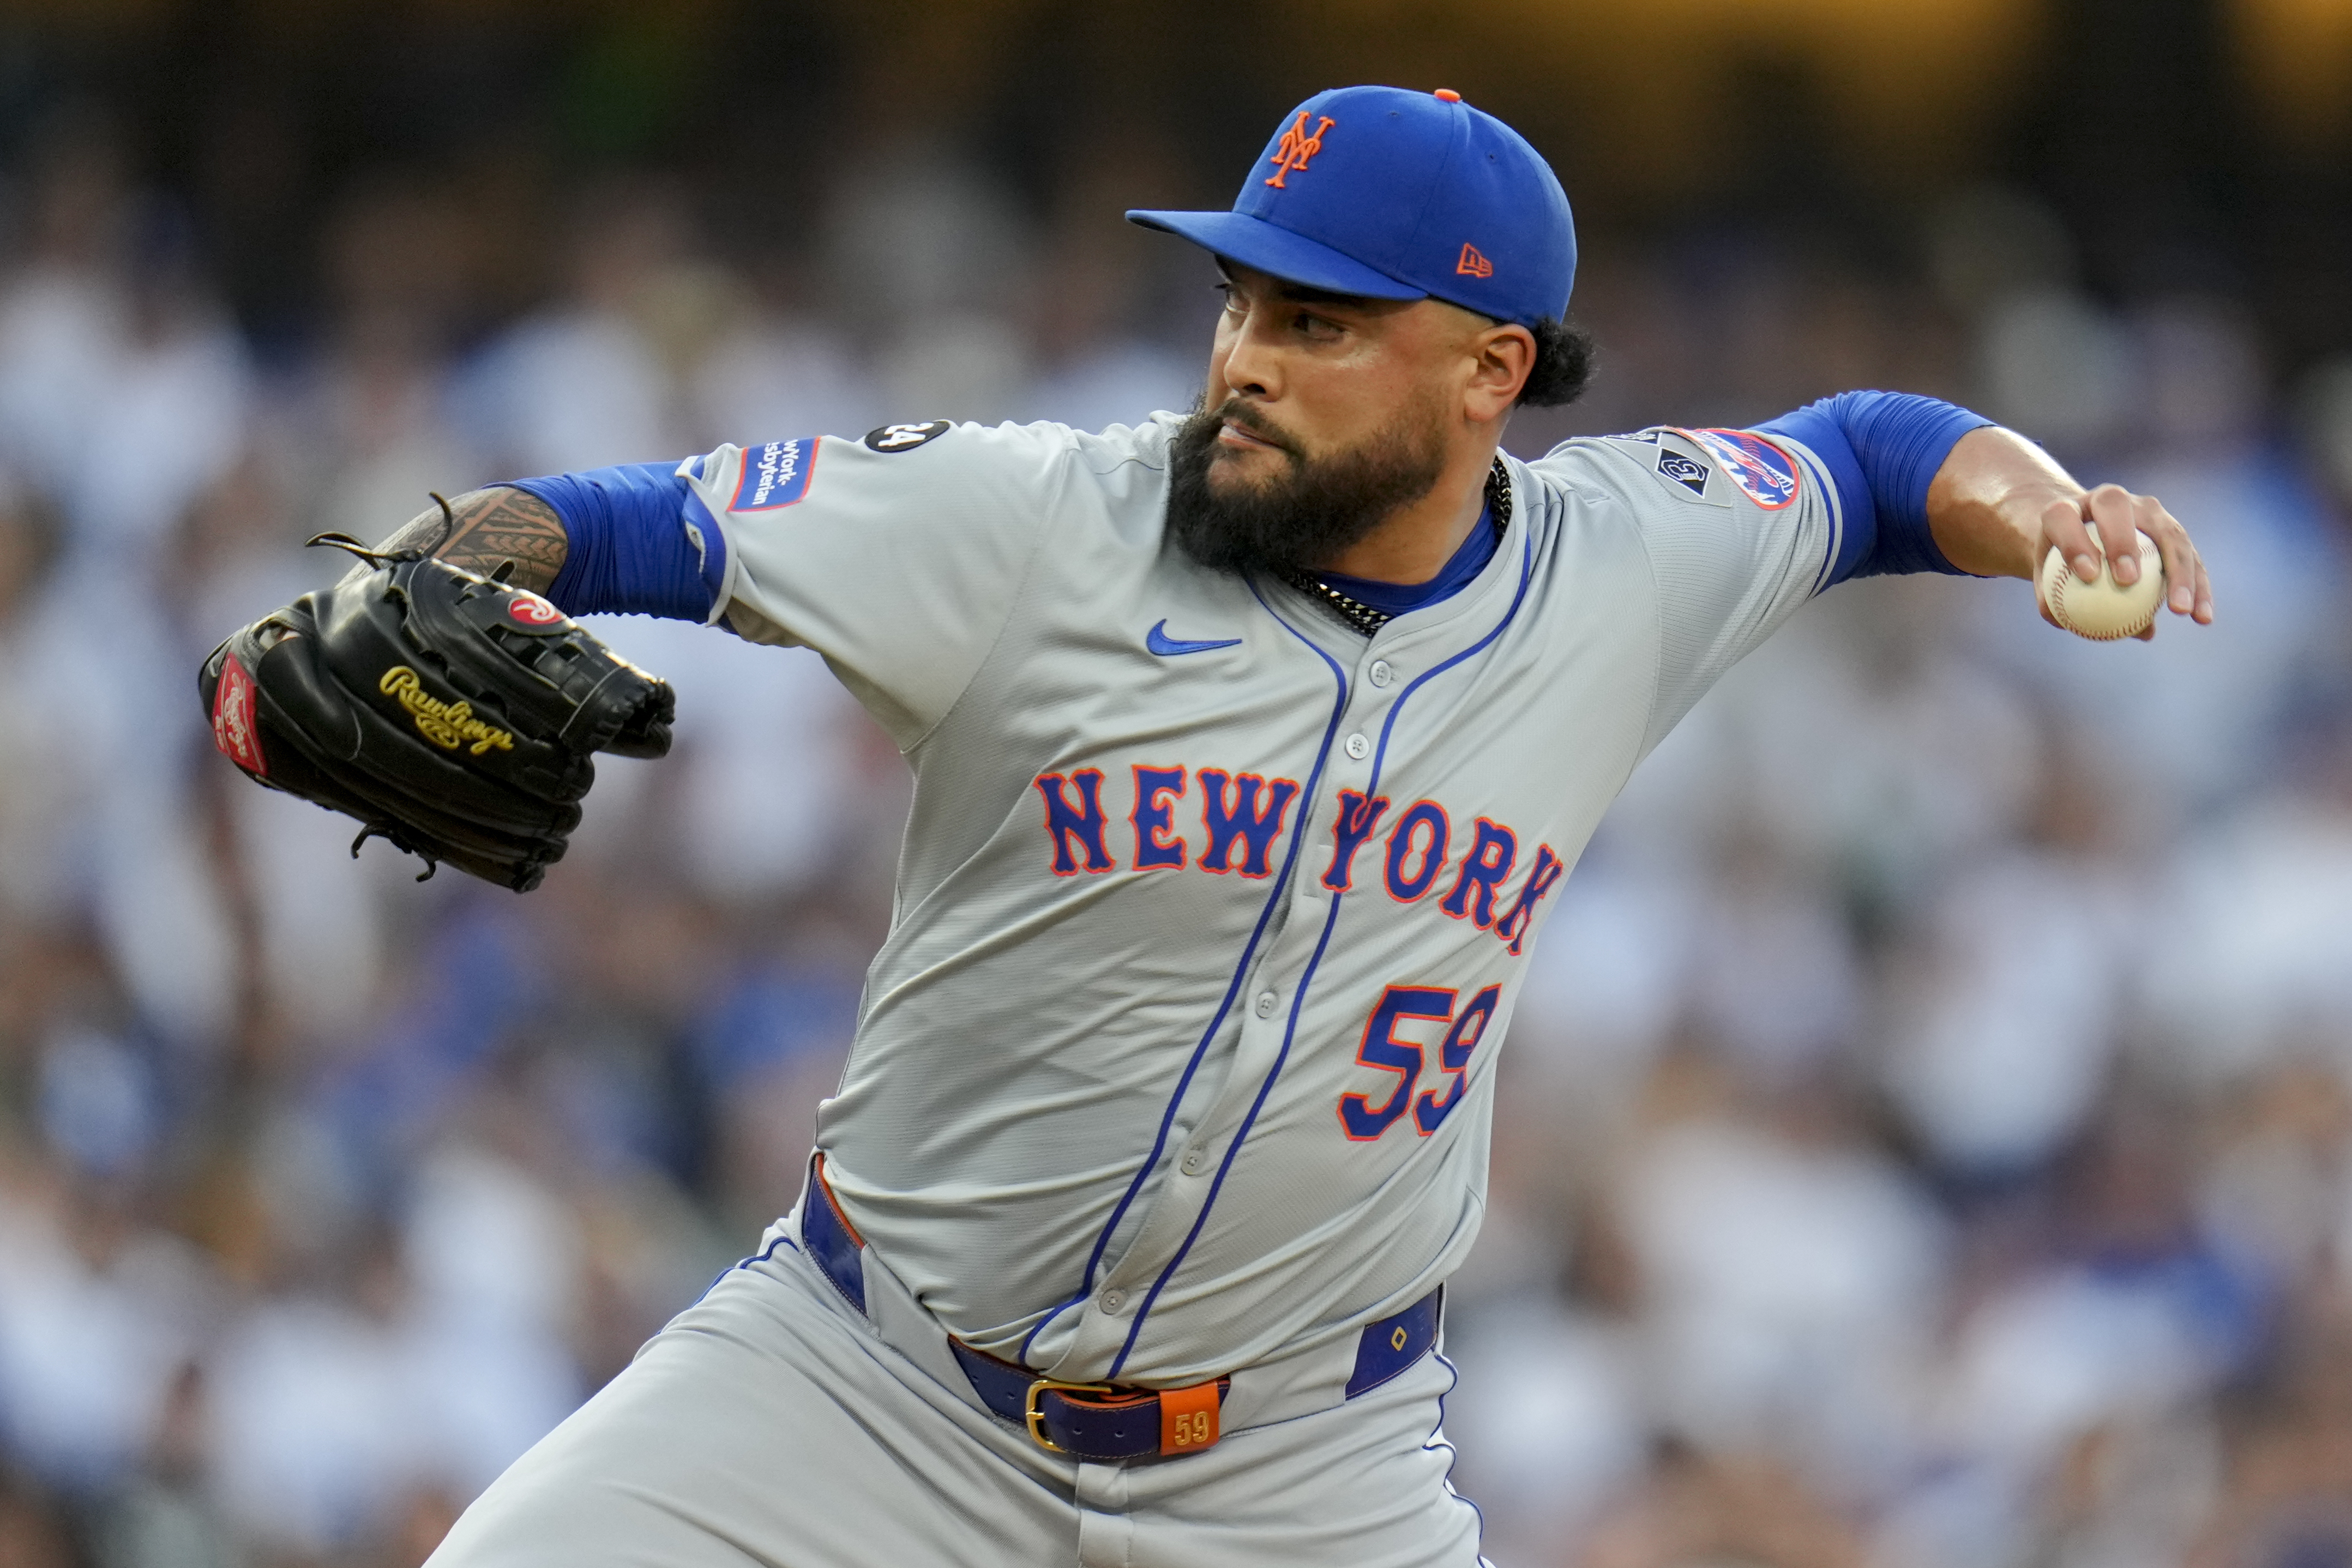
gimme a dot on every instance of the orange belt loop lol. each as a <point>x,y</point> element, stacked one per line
<point>834,1202</point>
<point>1187,1418</point>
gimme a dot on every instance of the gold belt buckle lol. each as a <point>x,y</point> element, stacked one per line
<point>1037,1417</point>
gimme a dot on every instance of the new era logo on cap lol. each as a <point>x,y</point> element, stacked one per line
<point>1372,191</point>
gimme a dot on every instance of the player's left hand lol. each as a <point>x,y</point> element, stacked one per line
<point>2104,522</point>
<point>447,712</point>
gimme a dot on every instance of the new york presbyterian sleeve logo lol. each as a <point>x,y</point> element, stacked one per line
<point>774,474</point>
<point>1765,475</point>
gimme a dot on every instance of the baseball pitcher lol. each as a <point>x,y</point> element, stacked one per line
<point>1251,748</point>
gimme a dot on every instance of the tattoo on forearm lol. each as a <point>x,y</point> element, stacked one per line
<point>494,526</point>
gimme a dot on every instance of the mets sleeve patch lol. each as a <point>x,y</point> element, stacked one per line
<point>1763,472</point>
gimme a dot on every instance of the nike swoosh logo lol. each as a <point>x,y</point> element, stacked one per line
<point>1161,643</point>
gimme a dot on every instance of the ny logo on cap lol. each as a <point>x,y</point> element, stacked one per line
<point>1297,145</point>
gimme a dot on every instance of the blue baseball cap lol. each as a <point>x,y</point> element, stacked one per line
<point>1394,194</point>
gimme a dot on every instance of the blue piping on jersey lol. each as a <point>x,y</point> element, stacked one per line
<point>1527,576</point>
<point>1839,522</point>
<point>1224,1008</point>
<point>760,1257</point>
<point>1290,1030</point>
<point>1289,1033</point>
<point>1437,1440</point>
<point>1331,921</point>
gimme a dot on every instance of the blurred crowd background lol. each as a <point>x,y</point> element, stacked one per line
<point>1927,1138</point>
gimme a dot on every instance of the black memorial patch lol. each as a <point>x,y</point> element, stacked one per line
<point>1690,474</point>
<point>907,437</point>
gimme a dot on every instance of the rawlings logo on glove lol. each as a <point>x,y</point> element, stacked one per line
<point>232,729</point>
<point>446,725</point>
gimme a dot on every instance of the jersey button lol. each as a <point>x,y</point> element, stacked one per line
<point>1382,674</point>
<point>1113,1299</point>
<point>1266,1002</point>
<point>1358,747</point>
<point>1195,1161</point>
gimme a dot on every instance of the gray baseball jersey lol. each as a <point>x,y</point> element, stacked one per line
<point>1181,1052</point>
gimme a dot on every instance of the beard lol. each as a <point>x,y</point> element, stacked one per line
<point>1300,518</point>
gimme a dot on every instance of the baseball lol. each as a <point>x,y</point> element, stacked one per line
<point>2103,610</point>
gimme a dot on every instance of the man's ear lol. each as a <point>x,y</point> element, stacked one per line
<point>1505,354</point>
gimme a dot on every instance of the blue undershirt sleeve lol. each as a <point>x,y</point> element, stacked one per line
<point>1883,450</point>
<point>636,544</point>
